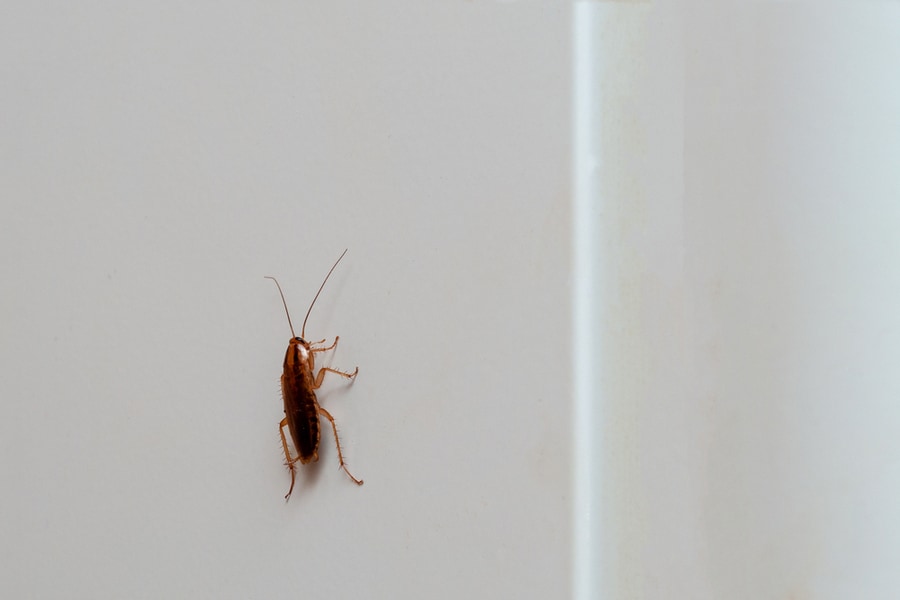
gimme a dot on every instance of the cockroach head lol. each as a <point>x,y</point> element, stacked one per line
<point>298,351</point>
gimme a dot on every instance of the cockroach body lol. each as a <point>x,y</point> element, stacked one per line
<point>298,388</point>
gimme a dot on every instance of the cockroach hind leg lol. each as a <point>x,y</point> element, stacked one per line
<point>337,442</point>
<point>293,469</point>
<point>288,461</point>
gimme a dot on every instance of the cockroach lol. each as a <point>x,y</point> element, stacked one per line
<point>298,388</point>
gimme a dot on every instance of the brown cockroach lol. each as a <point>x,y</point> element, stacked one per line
<point>298,387</point>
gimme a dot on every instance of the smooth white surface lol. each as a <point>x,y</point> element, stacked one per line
<point>746,269</point>
<point>157,161</point>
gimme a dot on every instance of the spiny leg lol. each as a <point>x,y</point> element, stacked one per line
<point>288,461</point>
<point>321,375</point>
<point>331,347</point>
<point>337,442</point>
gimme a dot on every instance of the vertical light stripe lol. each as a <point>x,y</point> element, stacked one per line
<point>585,160</point>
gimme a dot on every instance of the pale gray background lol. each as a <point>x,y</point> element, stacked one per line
<point>156,160</point>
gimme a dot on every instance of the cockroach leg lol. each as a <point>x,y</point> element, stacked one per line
<point>337,442</point>
<point>331,347</point>
<point>288,461</point>
<point>321,375</point>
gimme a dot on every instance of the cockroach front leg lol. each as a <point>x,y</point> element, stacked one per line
<point>321,374</point>
<point>331,347</point>
<point>288,461</point>
<point>337,442</point>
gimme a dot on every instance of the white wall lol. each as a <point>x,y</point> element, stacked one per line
<point>744,238</point>
<point>158,159</point>
<point>735,214</point>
